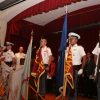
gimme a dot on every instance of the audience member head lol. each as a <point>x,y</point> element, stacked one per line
<point>88,55</point>
<point>21,49</point>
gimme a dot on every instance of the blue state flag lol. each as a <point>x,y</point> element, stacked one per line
<point>60,68</point>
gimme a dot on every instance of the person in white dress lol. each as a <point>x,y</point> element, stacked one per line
<point>20,57</point>
<point>9,55</point>
<point>15,76</point>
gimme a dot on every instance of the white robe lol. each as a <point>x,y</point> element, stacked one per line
<point>15,78</point>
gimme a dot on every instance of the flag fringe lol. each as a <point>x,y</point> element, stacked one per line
<point>36,92</point>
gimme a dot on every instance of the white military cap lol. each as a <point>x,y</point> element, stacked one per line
<point>9,43</point>
<point>74,35</point>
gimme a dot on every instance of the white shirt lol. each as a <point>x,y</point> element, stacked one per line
<point>77,54</point>
<point>96,51</point>
<point>18,56</point>
<point>9,55</point>
<point>46,53</point>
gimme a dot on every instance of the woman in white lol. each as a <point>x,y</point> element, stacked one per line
<point>20,57</point>
<point>15,76</point>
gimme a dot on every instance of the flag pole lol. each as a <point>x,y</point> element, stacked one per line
<point>64,84</point>
<point>27,93</point>
<point>28,81</point>
<point>64,79</point>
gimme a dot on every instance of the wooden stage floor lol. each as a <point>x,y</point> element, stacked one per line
<point>51,96</point>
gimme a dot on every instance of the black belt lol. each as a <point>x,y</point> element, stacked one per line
<point>9,63</point>
<point>76,67</point>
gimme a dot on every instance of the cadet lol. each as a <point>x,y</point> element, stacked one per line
<point>78,62</point>
<point>9,54</point>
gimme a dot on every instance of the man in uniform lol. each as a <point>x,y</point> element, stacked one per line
<point>8,64</point>
<point>9,54</point>
<point>46,57</point>
<point>43,55</point>
<point>96,53</point>
<point>78,62</point>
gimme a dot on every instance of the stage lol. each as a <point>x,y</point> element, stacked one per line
<point>51,96</point>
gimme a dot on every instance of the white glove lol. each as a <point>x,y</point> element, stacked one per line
<point>80,71</point>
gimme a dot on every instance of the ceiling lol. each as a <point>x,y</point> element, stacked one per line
<point>54,14</point>
<point>44,18</point>
<point>4,4</point>
<point>12,11</point>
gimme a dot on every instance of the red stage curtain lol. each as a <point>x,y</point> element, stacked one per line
<point>23,28</point>
<point>19,33</point>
